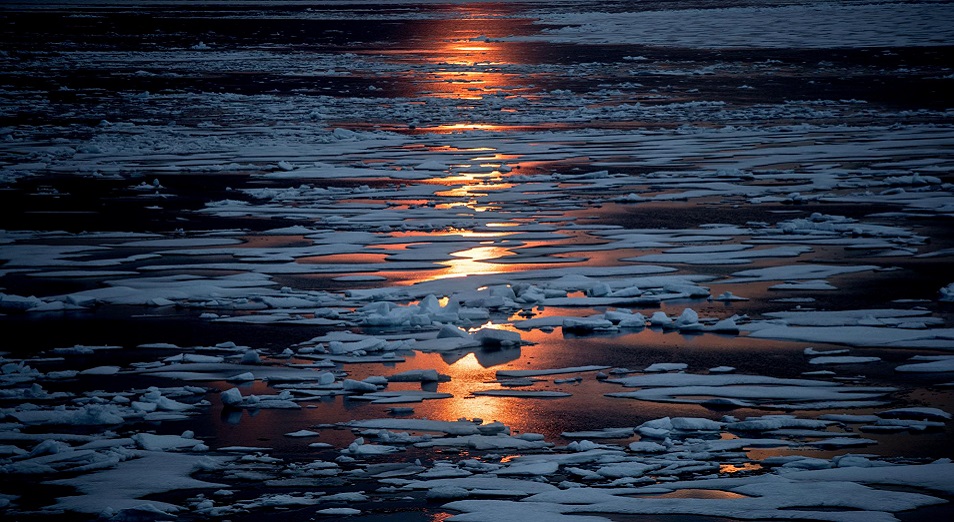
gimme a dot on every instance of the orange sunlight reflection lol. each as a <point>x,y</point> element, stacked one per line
<point>349,259</point>
<point>467,364</point>
<point>477,189</point>
<point>735,468</point>
<point>474,261</point>
<point>472,126</point>
<point>468,58</point>
<point>450,232</point>
<point>469,374</point>
<point>711,494</point>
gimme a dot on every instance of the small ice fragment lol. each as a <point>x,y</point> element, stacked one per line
<point>727,325</point>
<point>451,331</point>
<point>916,413</point>
<point>231,397</point>
<point>359,386</point>
<point>660,319</point>
<point>419,376</point>
<point>586,324</point>
<point>493,428</point>
<point>101,370</point>
<point>646,447</point>
<point>599,290</point>
<point>302,433</point>
<point>242,377</point>
<point>812,351</point>
<point>493,336</point>
<point>847,359</point>
<point>532,437</point>
<point>729,296</point>
<point>688,320</point>
<point>947,293</point>
<point>338,512</point>
<point>447,492</point>
<point>666,367</point>
<point>695,424</point>
<point>516,382</point>
<point>582,445</point>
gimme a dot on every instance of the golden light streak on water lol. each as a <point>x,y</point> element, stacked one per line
<point>474,261</point>
<point>485,234</point>
<point>350,259</point>
<point>736,468</point>
<point>450,232</point>
<point>477,189</point>
<point>469,375</point>
<point>700,493</point>
<point>473,126</point>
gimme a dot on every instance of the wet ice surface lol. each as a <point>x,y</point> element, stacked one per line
<point>477,261</point>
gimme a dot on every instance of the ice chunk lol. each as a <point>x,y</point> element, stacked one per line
<point>242,377</point>
<point>232,397</point>
<point>496,337</point>
<point>947,293</point>
<point>302,433</point>
<point>447,492</point>
<point>666,367</point>
<point>251,357</point>
<point>449,427</point>
<point>660,319</point>
<point>695,424</point>
<point>504,374</point>
<point>646,447</point>
<point>525,394</point>
<point>419,376</point>
<point>338,512</point>
<point>101,370</point>
<point>843,360</point>
<point>727,325</point>
<point>919,412</point>
<point>359,448</point>
<point>359,386</point>
<point>689,319</point>
<point>605,433</point>
<point>150,442</point>
<point>587,324</point>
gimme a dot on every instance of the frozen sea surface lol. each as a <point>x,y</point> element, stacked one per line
<point>476,260</point>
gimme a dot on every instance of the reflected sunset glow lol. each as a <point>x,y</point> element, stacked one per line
<point>345,258</point>
<point>468,373</point>
<point>472,126</point>
<point>736,468</point>
<point>474,261</point>
<point>468,61</point>
<point>701,494</point>
<point>473,190</point>
<point>452,232</point>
